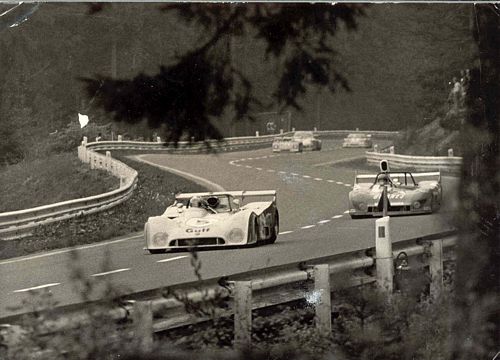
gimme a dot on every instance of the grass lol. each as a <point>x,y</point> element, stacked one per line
<point>155,191</point>
<point>53,179</point>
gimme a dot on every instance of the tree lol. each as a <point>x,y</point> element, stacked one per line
<point>478,271</point>
<point>204,82</point>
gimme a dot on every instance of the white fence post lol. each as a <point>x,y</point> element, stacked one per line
<point>391,150</point>
<point>143,322</point>
<point>357,129</point>
<point>384,257</point>
<point>323,304</point>
<point>256,134</point>
<point>450,152</point>
<point>315,129</point>
<point>242,314</point>
<point>120,138</point>
<point>436,267</point>
<point>375,148</point>
<point>158,139</point>
<point>293,129</point>
<point>281,131</point>
<point>108,161</point>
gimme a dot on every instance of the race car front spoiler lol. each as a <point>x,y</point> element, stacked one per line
<point>358,213</point>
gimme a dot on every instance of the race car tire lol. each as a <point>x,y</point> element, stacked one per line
<point>157,251</point>
<point>253,230</point>
<point>275,229</point>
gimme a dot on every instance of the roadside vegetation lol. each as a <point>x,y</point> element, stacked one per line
<point>155,191</point>
<point>44,181</point>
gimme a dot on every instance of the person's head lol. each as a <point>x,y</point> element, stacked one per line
<point>195,201</point>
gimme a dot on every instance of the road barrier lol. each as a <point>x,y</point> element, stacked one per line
<point>313,280</point>
<point>16,224</point>
<point>448,164</point>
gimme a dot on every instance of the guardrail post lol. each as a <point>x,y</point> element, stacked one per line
<point>436,267</point>
<point>450,152</point>
<point>391,150</point>
<point>242,314</point>
<point>256,134</point>
<point>281,131</point>
<point>158,139</point>
<point>357,129</point>
<point>293,129</point>
<point>315,129</point>
<point>375,148</point>
<point>108,161</point>
<point>323,304</point>
<point>143,323</point>
<point>384,258</point>
<point>120,138</point>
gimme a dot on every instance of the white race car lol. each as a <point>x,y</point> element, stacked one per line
<point>358,140</point>
<point>287,143</point>
<point>214,219</point>
<point>308,140</point>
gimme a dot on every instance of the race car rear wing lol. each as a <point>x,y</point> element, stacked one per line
<point>237,194</point>
<point>423,176</point>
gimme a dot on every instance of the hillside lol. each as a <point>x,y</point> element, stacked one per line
<point>397,62</point>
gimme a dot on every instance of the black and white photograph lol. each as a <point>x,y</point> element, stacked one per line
<point>249,180</point>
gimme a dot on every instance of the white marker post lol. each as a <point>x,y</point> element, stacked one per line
<point>242,314</point>
<point>450,152</point>
<point>323,306</point>
<point>391,150</point>
<point>143,322</point>
<point>256,134</point>
<point>384,257</point>
<point>436,267</point>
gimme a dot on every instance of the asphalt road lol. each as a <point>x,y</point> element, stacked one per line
<point>312,200</point>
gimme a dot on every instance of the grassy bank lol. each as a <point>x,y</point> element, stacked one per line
<point>155,191</point>
<point>49,180</point>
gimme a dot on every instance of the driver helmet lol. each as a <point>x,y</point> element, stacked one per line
<point>383,179</point>
<point>195,202</point>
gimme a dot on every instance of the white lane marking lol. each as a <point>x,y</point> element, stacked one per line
<point>264,157</point>
<point>270,170</point>
<point>70,250</point>
<point>36,287</point>
<point>323,221</point>
<point>282,172</point>
<point>258,168</point>
<point>337,216</point>
<point>346,212</point>
<point>318,179</point>
<point>248,166</point>
<point>285,232</point>
<point>339,183</point>
<point>111,272</point>
<point>306,176</point>
<point>197,179</point>
<point>172,259</point>
<point>308,226</point>
<point>348,185</point>
<point>249,158</point>
<point>237,165</point>
<point>330,181</point>
<point>294,174</point>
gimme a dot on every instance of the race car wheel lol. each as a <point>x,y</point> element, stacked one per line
<point>275,229</point>
<point>157,251</point>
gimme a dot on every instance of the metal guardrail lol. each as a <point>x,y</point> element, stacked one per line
<point>15,224</point>
<point>450,164</point>
<point>277,286</point>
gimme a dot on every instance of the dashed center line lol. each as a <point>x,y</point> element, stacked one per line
<point>339,183</point>
<point>37,287</point>
<point>306,176</point>
<point>330,181</point>
<point>172,259</point>
<point>337,216</point>
<point>270,170</point>
<point>285,232</point>
<point>318,179</point>
<point>258,169</point>
<point>110,272</point>
<point>346,212</point>
<point>323,221</point>
<point>308,226</point>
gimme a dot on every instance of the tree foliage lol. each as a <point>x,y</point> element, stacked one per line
<point>204,82</point>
